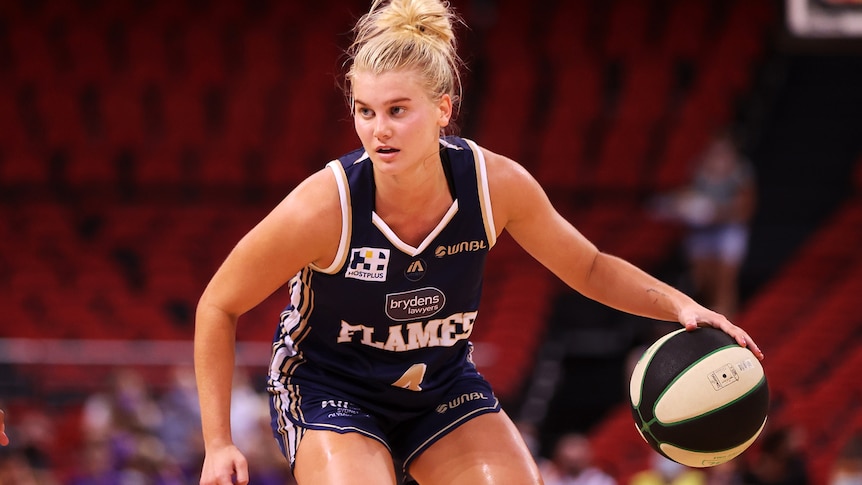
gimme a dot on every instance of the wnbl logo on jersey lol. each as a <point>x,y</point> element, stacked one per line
<point>368,264</point>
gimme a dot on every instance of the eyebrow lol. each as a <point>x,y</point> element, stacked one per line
<point>389,102</point>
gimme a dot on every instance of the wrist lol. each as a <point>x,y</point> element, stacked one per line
<point>217,442</point>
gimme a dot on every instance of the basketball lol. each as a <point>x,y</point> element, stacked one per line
<point>698,397</point>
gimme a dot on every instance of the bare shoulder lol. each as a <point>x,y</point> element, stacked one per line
<point>316,196</point>
<point>304,228</point>
<point>523,209</point>
<point>502,170</point>
<point>308,220</point>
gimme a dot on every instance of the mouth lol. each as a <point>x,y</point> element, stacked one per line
<point>385,150</point>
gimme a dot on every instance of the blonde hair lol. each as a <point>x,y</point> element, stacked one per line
<point>408,34</point>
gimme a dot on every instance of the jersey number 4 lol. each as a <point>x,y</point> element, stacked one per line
<point>412,379</point>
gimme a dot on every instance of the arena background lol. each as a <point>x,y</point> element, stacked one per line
<point>140,139</point>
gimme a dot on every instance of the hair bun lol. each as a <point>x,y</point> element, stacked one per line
<point>417,17</point>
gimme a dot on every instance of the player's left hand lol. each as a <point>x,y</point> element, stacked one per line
<point>698,316</point>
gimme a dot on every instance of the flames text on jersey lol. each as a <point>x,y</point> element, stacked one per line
<point>443,332</point>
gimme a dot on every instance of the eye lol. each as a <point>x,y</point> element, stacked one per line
<point>364,112</point>
<point>398,110</point>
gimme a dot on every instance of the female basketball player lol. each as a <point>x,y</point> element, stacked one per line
<point>384,250</point>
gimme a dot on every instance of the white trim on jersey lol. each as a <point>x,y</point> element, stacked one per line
<point>403,246</point>
<point>346,219</point>
<point>485,193</point>
<point>289,434</point>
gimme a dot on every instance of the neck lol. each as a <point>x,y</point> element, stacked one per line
<point>412,189</point>
<point>412,204</point>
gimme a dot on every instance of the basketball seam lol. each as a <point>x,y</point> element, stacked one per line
<point>693,450</point>
<point>657,344</point>
<point>678,377</point>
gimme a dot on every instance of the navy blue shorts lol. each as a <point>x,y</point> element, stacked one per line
<point>406,435</point>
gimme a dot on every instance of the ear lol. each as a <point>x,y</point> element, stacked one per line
<point>445,107</point>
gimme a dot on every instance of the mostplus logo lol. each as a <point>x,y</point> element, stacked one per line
<point>368,264</point>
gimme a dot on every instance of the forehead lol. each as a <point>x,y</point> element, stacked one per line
<point>369,87</point>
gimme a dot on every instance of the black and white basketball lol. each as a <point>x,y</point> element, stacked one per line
<point>698,397</point>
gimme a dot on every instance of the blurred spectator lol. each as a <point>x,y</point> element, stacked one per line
<point>126,419</point>
<point>146,462</point>
<point>847,469</point>
<point>126,406</point>
<point>572,464</point>
<point>180,429</point>
<point>727,473</point>
<point>26,460</point>
<point>246,406</point>
<point>15,468</point>
<point>780,461</point>
<point>95,465</point>
<point>663,471</point>
<point>134,435</point>
<point>717,207</point>
<point>266,464</point>
<point>530,434</point>
<point>252,433</point>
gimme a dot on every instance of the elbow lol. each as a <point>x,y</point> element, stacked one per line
<point>591,267</point>
<point>590,275</point>
<point>210,312</point>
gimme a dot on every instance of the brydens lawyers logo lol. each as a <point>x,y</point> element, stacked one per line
<point>368,264</point>
<point>414,304</point>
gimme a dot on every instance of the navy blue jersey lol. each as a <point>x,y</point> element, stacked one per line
<point>386,323</point>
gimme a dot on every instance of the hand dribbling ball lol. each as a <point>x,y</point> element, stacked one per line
<point>698,397</point>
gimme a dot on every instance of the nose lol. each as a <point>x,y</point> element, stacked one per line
<point>382,129</point>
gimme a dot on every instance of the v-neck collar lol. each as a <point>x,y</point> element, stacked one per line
<point>453,209</point>
<point>407,248</point>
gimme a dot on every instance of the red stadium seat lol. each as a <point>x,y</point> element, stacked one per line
<point>31,54</point>
<point>646,90</point>
<point>122,111</point>
<point>60,110</point>
<point>622,159</point>
<point>21,167</point>
<point>685,142</point>
<point>205,60</point>
<point>627,29</point>
<point>88,47</point>
<point>686,31</point>
<point>165,165</point>
<point>567,36</point>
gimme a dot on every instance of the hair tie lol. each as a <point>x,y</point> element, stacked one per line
<point>418,28</point>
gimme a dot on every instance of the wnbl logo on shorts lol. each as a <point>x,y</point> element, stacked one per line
<point>368,264</point>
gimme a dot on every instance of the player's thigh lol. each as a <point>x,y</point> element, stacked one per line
<point>487,449</point>
<point>327,457</point>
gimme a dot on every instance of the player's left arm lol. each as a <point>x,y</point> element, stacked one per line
<point>522,207</point>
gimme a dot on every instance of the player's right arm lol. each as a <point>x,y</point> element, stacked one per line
<point>522,207</point>
<point>304,228</point>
